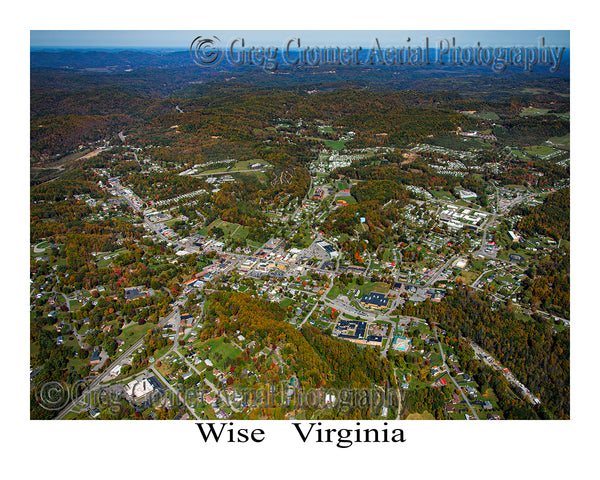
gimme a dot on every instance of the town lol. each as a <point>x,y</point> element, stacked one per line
<point>147,270</point>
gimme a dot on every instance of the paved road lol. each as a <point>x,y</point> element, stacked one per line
<point>37,249</point>
<point>220,393</point>
<point>392,331</point>
<point>493,363</point>
<point>450,376</point>
<point>179,396</point>
<point>474,284</point>
<point>55,292</point>
<point>481,250</point>
<point>439,271</point>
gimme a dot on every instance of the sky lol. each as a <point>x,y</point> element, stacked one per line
<point>181,39</point>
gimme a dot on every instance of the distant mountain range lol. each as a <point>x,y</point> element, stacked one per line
<point>118,60</point>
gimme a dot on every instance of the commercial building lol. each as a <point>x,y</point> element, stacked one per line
<point>353,330</point>
<point>138,388</point>
<point>374,300</point>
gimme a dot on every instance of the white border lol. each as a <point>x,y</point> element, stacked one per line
<point>445,449</point>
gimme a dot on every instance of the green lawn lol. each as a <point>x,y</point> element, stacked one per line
<point>133,333</point>
<point>485,115</point>
<point>231,230</point>
<point>467,277</point>
<point>104,262</point>
<point>173,221</point>
<point>219,351</point>
<point>517,153</point>
<point>334,292</point>
<point>421,416</point>
<point>377,287</point>
<point>77,363</point>
<point>441,194</point>
<point>534,90</point>
<point>261,177</point>
<point>335,144</point>
<point>240,233</point>
<point>254,244</point>
<point>532,111</point>
<point>564,141</point>
<point>235,167</point>
<point>540,150</point>
<point>455,142</point>
<point>286,302</point>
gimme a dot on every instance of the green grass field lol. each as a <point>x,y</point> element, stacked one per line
<point>260,176</point>
<point>441,194</point>
<point>467,277</point>
<point>532,111</point>
<point>334,292</point>
<point>231,230</point>
<point>326,129</point>
<point>286,302</point>
<point>76,363</point>
<point>220,351</point>
<point>377,287</point>
<point>485,115</point>
<point>534,90</point>
<point>421,416</point>
<point>564,141</point>
<point>133,333</point>
<point>235,167</point>
<point>104,262</point>
<point>173,221</point>
<point>349,200</point>
<point>540,150</point>
<point>517,153</point>
<point>335,144</point>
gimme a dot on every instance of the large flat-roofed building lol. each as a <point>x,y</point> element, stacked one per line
<point>374,300</point>
<point>353,330</point>
<point>375,340</point>
<point>328,248</point>
<point>138,388</point>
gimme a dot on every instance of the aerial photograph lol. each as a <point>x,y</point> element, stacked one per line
<point>299,225</point>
